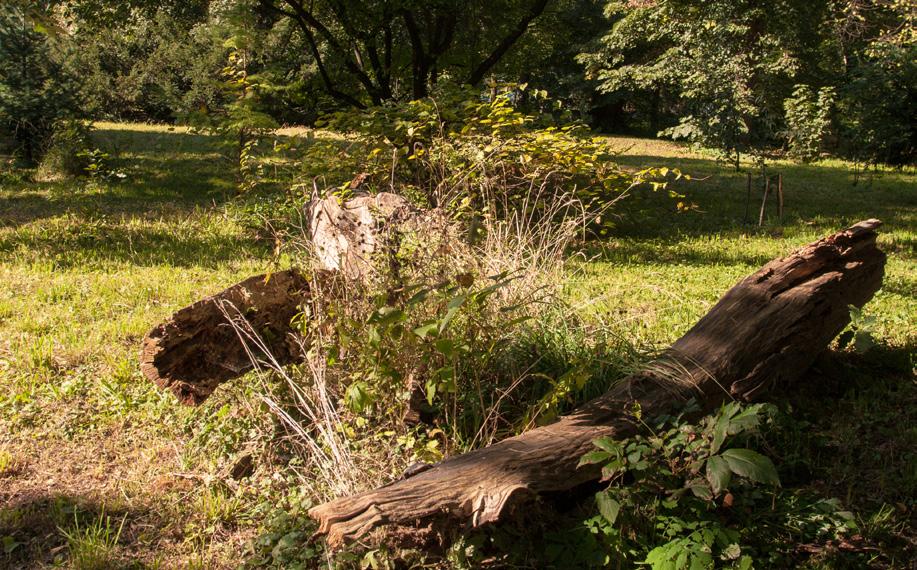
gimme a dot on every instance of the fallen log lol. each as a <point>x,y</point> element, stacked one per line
<point>764,332</point>
<point>198,348</point>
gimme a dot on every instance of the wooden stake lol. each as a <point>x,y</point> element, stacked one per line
<point>747,198</point>
<point>780,197</point>
<point>767,189</point>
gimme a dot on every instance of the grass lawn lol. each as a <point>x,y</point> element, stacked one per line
<point>96,465</point>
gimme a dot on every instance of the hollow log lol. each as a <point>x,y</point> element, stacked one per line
<point>198,348</point>
<point>764,332</point>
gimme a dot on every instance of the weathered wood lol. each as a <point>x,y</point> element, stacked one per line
<point>764,332</point>
<point>198,348</point>
<point>345,235</point>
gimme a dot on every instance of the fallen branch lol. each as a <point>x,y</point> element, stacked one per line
<point>765,331</point>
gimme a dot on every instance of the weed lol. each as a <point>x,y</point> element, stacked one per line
<point>92,546</point>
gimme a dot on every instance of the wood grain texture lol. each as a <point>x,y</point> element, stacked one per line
<point>764,332</point>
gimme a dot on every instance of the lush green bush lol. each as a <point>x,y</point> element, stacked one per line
<point>68,149</point>
<point>808,119</point>
<point>876,105</point>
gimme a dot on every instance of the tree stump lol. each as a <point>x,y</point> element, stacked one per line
<point>346,235</point>
<point>198,348</point>
<point>764,332</point>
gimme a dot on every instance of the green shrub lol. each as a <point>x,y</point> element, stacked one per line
<point>457,152</point>
<point>808,118</point>
<point>686,496</point>
<point>35,90</point>
<point>67,149</point>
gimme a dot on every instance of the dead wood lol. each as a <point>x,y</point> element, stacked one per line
<point>198,348</point>
<point>764,332</point>
<point>345,235</point>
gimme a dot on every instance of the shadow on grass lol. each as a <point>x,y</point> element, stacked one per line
<point>843,433</point>
<point>98,241</point>
<point>34,532</point>
<point>820,197</point>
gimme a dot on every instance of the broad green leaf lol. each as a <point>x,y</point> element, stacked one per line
<point>608,445</point>
<point>751,464</point>
<point>718,474</point>
<point>608,506</point>
<point>747,419</point>
<point>720,429</point>
<point>700,489</point>
<point>593,457</point>
<point>426,329</point>
<point>359,396</point>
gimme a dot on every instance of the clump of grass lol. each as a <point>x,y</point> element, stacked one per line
<point>8,463</point>
<point>93,546</point>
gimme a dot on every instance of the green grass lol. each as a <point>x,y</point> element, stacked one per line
<point>90,266</point>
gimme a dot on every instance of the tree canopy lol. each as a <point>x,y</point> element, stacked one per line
<point>806,77</point>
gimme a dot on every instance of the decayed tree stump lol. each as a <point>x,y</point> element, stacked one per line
<point>764,332</point>
<point>346,235</point>
<point>198,348</point>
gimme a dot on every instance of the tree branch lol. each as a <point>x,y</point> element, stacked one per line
<point>504,46</point>
<point>305,17</point>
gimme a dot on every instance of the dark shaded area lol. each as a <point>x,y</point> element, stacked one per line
<point>32,529</point>
<point>72,246</point>
<point>843,433</point>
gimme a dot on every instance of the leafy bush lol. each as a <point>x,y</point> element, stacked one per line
<point>68,149</point>
<point>808,118</point>
<point>687,497</point>
<point>457,152</point>
<point>876,105</point>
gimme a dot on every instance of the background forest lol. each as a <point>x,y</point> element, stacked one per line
<point>592,173</point>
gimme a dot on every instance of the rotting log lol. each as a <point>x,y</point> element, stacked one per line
<point>198,348</point>
<point>764,332</point>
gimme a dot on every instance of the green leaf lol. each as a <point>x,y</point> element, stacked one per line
<point>426,329</point>
<point>700,489</point>
<point>747,419</point>
<point>718,474</point>
<point>608,507</point>
<point>608,445</point>
<point>720,429</point>
<point>751,464</point>
<point>445,346</point>
<point>359,396</point>
<point>593,457</point>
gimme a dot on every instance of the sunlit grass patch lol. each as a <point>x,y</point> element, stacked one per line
<point>92,545</point>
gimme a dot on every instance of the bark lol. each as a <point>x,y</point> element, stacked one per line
<point>345,236</point>
<point>763,333</point>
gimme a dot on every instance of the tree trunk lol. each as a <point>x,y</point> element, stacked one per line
<point>764,332</point>
<point>208,343</point>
